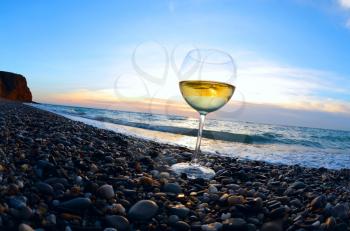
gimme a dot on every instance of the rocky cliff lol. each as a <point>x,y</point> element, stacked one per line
<point>14,87</point>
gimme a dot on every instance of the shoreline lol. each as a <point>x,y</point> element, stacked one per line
<point>278,149</point>
<point>59,173</point>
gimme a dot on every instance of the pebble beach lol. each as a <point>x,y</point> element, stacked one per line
<point>59,174</point>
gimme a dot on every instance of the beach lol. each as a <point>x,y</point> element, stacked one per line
<point>60,174</point>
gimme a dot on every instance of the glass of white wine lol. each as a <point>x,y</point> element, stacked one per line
<point>207,83</point>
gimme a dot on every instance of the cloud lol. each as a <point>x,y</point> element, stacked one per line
<point>275,87</point>
<point>294,88</point>
<point>344,3</point>
<point>259,82</point>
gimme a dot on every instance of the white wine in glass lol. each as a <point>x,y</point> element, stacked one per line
<point>207,84</point>
<point>206,96</point>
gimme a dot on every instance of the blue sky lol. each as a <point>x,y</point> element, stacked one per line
<point>293,55</point>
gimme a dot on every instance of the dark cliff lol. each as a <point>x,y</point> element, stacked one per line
<point>14,87</point>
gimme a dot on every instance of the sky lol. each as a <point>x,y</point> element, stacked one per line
<point>292,57</point>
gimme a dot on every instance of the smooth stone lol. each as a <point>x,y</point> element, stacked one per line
<point>180,210</point>
<point>119,208</point>
<point>298,185</point>
<point>25,227</point>
<point>78,180</point>
<point>76,204</point>
<point>212,226</point>
<point>316,224</point>
<point>181,226</point>
<point>235,200</point>
<point>318,202</point>
<point>271,226</point>
<point>55,202</point>
<point>251,227</point>
<point>235,223</point>
<point>155,173</point>
<point>51,219</point>
<point>253,220</point>
<point>257,203</point>
<point>143,210</point>
<point>212,189</point>
<point>233,186</point>
<point>278,213</point>
<point>172,188</point>
<point>118,222</point>
<point>172,219</point>
<point>106,191</point>
<point>58,187</point>
<point>44,188</point>
<point>17,202</point>
<point>330,223</point>
<point>23,213</point>
<point>296,203</point>
<point>165,175</point>
<point>225,216</point>
<point>341,227</point>
<point>341,211</point>
<point>56,180</point>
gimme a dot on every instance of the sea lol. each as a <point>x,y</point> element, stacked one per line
<point>278,144</point>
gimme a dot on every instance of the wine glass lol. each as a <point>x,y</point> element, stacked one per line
<point>207,82</point>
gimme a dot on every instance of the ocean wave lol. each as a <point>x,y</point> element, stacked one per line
<point>264,138</point>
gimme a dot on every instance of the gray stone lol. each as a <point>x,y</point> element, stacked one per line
<point>235,200</point>
<point>75,205</point>
<point>235,223</point>
<point>44,188</point>
<point>278,213</point>
<point>172,219</point>
<point>106,191</point>
<point>118,222</point>
<point>181,226</point>
<point>51,219</point>
<point>17,202</point>
<point>180,210</point>
<point>341,211</point>
<point>25,227</point>
<point>22,213</point>
<point>319,202</point>
<point>172,188</point>
<point>272,226</point>
<point>143,210</point>
<point>298,185</point>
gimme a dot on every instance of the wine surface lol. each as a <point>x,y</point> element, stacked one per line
<point>206,96</point>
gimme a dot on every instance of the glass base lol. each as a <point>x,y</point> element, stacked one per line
<point>193,171</point>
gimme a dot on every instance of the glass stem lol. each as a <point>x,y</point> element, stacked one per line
<point>199,139</point>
